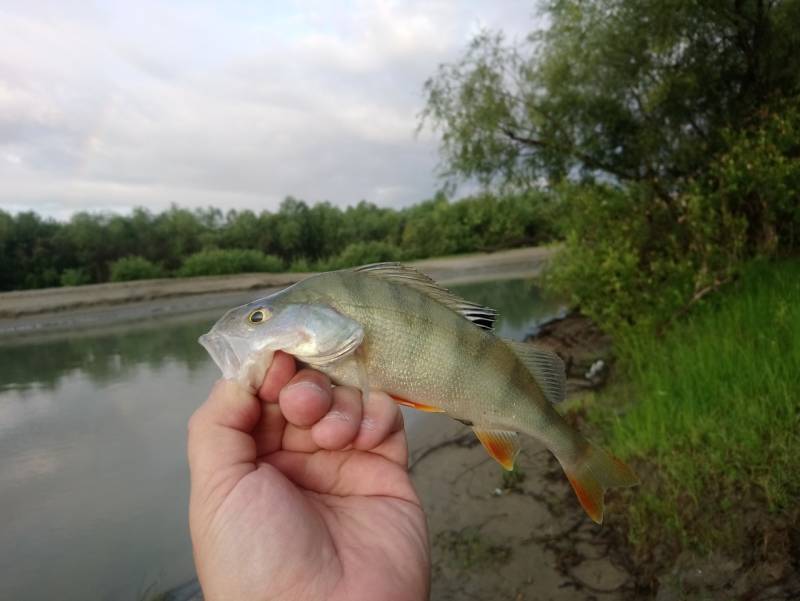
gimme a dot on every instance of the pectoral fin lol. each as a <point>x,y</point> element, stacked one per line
<point>502,445</point>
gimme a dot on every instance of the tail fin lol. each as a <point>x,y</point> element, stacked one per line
<point>594,472</point>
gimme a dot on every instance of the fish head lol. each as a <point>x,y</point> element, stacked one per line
<point>244,340</point>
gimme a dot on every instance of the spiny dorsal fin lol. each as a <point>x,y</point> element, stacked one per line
<point>546,367</point>
<point>483,317</point>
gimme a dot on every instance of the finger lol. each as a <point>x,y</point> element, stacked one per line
<point>298,439</point>
<point>278,375</point>
<point>268,432</point>
<point>395,446</point>
<point>270,429</point>
<point>378,421</point>
<point>340,425</point>
<point>219,439</point>
<point>345,473</point>
<point>306,398</point>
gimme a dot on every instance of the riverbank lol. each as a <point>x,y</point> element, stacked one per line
<point>78,307</point>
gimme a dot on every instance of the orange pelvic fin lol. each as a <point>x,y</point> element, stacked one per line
<point>417,406</point>
<point>502,445</point>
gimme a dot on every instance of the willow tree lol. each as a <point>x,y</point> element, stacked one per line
<point>647,110</point>
<point>626,91</point>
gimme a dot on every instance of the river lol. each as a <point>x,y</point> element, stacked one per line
<point>93,476</point>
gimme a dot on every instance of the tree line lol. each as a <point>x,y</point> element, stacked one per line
<point>39,252</point>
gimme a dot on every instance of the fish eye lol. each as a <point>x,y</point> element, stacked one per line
<point>259,315</point>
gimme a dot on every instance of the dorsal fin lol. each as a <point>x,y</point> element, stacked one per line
<point>483,317</point>
<point>546,367</point>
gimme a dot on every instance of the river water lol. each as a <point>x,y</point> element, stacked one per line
<point>93,476</point>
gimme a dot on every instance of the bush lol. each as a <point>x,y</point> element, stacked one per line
<point>363,253</point>
<point>300,265</point>
<point>229,261</point>
<point>74,277</point>
<point>621,264</point>
<point>134,268</point>
<point>633,257</point>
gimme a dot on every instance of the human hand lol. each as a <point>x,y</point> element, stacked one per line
<point>302,492</point>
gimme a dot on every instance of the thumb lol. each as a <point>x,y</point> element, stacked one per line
<point>221,448</point>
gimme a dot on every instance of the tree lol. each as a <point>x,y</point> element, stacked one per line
<point>614,90</point>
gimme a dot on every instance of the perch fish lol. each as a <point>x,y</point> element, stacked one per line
<point>389,327</point>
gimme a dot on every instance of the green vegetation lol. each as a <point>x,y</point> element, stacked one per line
<point>133,268</point>
<point>716,416</point>
<point>92,248</point>
<point>668,133</point>
<point>227,261</point>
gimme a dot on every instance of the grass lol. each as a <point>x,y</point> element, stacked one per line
<point>714,419</point>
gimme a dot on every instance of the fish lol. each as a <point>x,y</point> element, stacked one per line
<point>389,327</point>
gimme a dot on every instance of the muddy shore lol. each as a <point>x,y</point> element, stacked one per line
<point>78,307</point>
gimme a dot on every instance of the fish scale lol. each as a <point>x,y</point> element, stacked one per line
<point>391,328</point>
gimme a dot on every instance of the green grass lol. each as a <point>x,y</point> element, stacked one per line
<point>714,419</point>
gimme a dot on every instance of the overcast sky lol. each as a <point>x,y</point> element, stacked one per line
<point>236,104</point>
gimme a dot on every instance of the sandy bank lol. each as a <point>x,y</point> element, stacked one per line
<point>73,307</point>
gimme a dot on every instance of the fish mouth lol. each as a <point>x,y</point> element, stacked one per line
<point>236,359</point>
<point>222,353</point>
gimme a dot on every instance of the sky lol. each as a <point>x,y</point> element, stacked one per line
<point>106,106</point>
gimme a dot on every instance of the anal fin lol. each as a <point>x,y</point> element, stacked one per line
<point>502,445</point>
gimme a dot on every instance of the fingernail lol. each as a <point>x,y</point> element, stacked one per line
<point>338,416</point>
<point>307,384</point>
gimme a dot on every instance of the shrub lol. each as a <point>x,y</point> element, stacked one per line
<point>363,253</point>
<point>619,263</point>
<point>300,265</point>
<point>74,277</point>
<point>134,268</point>
<point>229,261</point>
<point>634,257</point>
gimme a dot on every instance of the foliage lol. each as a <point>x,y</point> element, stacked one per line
<point>716,415</point>
<point>669,131</point>
<point>363,253</point>
<point>485,222</point>
<point>39,252</point>
<point>74,277</point>
<point>134,268</point>
<point>227,261</point>
<point>630,258</point>
<point>627,91</point>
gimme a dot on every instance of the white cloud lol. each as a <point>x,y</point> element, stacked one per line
<point>234,105</point>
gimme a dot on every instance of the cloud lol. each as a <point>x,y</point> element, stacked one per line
<point>235,105</point>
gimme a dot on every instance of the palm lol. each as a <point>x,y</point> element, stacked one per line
<point>300,522</point>
<point>357,546</point>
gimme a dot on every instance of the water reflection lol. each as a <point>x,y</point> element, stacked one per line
<point>521,304</point>
<point>104,357</point>
<point>93,477</point>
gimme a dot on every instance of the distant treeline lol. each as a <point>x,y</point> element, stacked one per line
<point>97,247</point>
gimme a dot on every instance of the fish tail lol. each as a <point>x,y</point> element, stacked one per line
<point>591,473</point>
